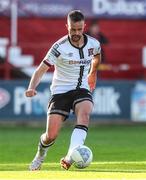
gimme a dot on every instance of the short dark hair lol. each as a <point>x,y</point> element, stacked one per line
<point>75,16</point>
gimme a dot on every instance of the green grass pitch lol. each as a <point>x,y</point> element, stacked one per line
<point>119,153</point>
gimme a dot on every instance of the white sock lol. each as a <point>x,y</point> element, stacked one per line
<point>77,138</point>
<point>42,147</point>
<point>42,139</point>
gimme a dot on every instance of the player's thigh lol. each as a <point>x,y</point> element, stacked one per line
<point>83,110</point>
<point>60,104</point>
<point>54,123</point>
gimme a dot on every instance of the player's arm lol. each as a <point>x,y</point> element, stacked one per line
<point>35,80</point>
<point>92,76</point>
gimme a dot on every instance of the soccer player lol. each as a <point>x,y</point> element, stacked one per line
<point>75,57</point>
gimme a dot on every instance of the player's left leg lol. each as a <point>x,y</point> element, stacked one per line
<point>83,110</point>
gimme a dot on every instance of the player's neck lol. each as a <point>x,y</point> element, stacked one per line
<point>80,43</point>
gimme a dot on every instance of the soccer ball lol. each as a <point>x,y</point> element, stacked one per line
<point>81,156</point>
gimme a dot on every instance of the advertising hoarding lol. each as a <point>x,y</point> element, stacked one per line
<point>112,100</point>
<point>131,9</point>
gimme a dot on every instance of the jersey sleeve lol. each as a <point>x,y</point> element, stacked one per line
<point>52,55</point>
<point>97,48</point>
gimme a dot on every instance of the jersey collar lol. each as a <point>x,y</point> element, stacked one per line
<point>85,42</point>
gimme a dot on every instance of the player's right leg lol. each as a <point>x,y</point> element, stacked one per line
<point>47,139</point>
<point>40,156</point>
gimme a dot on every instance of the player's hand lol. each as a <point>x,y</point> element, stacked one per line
<point>30,92</point>
<point>92,78</point>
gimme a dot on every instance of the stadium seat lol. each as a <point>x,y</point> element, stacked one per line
<point>3,48</point>
<point>17,59</point>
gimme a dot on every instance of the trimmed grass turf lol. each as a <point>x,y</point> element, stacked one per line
<point>98,171</point>
<point>119,152</point>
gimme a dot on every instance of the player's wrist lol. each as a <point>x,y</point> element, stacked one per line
<point>93,73</point>
<point>31,89</point>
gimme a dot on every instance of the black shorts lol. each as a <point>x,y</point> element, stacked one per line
<point>64,102</point>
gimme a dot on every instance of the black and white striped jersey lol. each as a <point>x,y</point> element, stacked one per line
<point>71,63</point>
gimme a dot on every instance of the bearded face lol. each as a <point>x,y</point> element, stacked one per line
<point>75,38</point>
<point>75,30</point>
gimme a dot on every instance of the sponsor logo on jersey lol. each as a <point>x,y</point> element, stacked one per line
<point>83,62</point>
<point>4,97</point>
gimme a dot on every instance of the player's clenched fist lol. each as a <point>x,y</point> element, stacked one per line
<point>92,81</point>
<point>30,92</point>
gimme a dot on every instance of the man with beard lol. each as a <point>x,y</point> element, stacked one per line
<point>75,57</point>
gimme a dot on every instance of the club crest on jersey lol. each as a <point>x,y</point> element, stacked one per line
<point>90,51</point>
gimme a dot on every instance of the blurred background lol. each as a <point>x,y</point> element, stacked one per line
<point>28,28</point>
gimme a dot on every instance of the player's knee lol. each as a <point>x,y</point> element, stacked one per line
<point>84,115</point>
